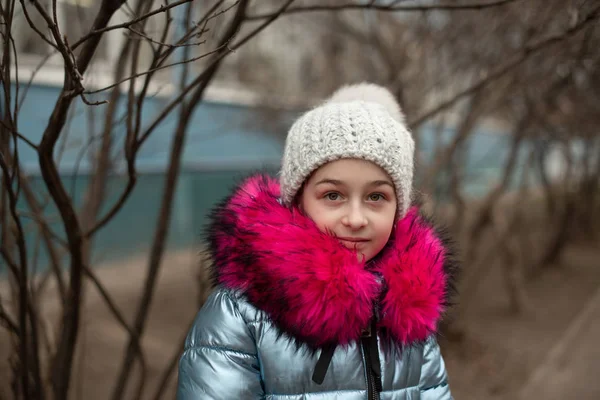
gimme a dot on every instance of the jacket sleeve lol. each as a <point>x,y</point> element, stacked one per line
<point>433,383</point>
<point>219,359</point>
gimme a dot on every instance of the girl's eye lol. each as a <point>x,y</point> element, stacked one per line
<point>376,197</point>
<point>333,196</point>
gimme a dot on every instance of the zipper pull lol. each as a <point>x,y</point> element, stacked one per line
<point>374,354</point>
<point>366,332</point>
<point>323,364</point>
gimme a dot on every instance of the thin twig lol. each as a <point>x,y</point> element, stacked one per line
<point>8,321</point>
<point>47,234</point>
<point>168,371</point>
<point>33,26</point>
<point>521,57</point>
<point>154,70</point>
<point>114,309</point>
<point>63,360</point>
<point>130,147</point>
<point>202,76</point>
<point>162,228</point>
<point>41,219</point>
<point>131,136</point>
<point>21,276</point>
<point>208,16</point>
<point>168,45</point>
<point>384,7</point>
<point>92,103</point>
<point>12,266</point>
<point>61,46</point>
<point>19,135</point>
<point>93,33</point>
<point>16,83</point>
<point>33,74</point>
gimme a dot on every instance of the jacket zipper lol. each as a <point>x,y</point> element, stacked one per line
<point>372,394</point>
<point>368,343</point>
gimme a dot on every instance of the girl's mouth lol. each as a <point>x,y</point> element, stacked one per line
<point>353,240</point>
<point>353,243</point>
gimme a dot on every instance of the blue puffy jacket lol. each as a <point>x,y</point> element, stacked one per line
<point>295,315</point>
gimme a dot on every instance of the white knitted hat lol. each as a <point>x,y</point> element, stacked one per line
<point>361,121</point>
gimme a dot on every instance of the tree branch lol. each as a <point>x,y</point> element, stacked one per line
<point>61,371</point>
<point>158,42</point>
<point>47,233</point>
<point>521,57</point>
<point>202,76</point>
<point>19,135</point>
<point>168,371</point>
<point>152,70</point>
<point>8,322</point>
<point>35,28</point>
<point>100,31</point>
<point>114,309</point>
<point>20,275</point>
<point>164,216</point>
<point>384,7</point>
<point>130,142</point>
<point>60,45</point>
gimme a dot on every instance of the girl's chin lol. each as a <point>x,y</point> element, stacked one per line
<point>361,248</point>
<point>354,245</point>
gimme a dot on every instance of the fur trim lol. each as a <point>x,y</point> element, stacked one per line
<point>312,287</point>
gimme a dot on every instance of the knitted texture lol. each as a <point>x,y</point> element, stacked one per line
<point>361,121</point>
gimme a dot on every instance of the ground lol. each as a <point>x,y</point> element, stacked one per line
<point>508,357</point>
<point>549,352</point>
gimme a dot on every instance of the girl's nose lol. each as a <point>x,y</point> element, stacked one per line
<point>355,218</point>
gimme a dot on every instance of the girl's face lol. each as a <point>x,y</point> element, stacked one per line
<point>355,200</point>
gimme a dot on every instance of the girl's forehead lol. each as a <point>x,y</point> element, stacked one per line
<point>350,170</point>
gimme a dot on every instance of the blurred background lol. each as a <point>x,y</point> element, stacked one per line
<point>124,122</point>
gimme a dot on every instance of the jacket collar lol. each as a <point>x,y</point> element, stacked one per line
<point>315,289</point>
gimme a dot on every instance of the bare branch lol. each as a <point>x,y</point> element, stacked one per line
<point>162,43</point>
<point>92,103</point>
<point>12,265</point>
<point>464,130</point>
<point>503,69</point>
<point>21,273</point>
<point>33,75</point>
<point>47,233</point>
<point>201,77</point>
<point>130,147</point>
<point>164,216</point>
<point>60,45</point>
<point>152,70</point>
<point>114,309</point>
<point>7,321</point>
<point>208,16</point>
<point>19,135</point>
<point>32,24</point>
<point>71,88</point>
<point>96,32</point>
<point>40,219</point>
<point>385,7</point>
<point>484,215</point>
<point>168,372</point>
<point>180,43</point>
<point>115,209</point>
<point>16,84</point>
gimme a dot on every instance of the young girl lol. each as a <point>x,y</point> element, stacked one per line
<point>329,284</point>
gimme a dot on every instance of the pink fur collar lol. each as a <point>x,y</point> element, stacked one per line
<point>316,290</point>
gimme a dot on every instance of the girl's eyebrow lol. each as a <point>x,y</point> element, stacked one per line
<point>329,181</point>
<point>339,183</point>
<point>381,183</point>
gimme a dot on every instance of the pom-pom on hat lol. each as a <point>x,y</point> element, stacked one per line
<point>361,121</point>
